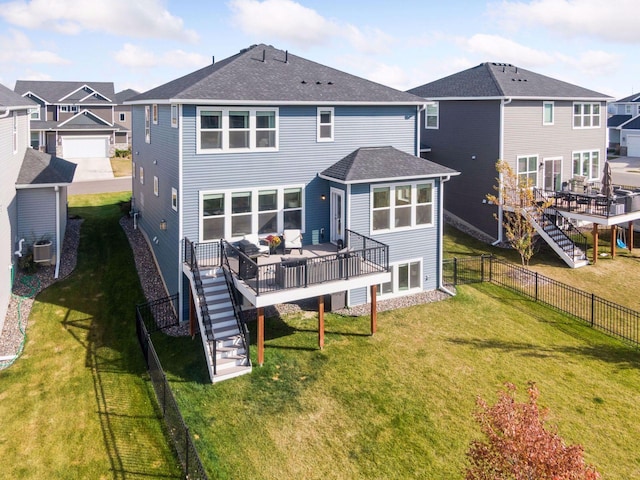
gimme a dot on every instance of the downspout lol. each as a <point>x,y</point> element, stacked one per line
<point>503,102</point>
<point>420,110</point>
<point>58,242</point>
<point>441,236</point>
<point>6,114</point>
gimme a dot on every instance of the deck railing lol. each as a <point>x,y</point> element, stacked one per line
<point>593,204</point>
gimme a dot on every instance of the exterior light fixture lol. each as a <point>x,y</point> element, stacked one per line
<point>323,197</point>
<point>163,224</point>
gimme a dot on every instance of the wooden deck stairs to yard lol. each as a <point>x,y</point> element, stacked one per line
<point>559,241</point>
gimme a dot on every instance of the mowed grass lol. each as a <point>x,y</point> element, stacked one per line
<point>400,404</point>
<point>77,403</point>
<point>121,166</point>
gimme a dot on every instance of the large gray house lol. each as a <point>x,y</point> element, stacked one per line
<point>548,130</point>
<point>266,143</point>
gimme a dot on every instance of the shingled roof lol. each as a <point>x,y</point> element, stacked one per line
<point>503,80</point>
<point>264,74</point>
<point>10,99</point>
<point>40,168</point>
<point>375,164</point>
<point>635,98</point>
<point>54,92</point>
<point>617,120</point>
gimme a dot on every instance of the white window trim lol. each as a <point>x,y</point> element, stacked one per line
<point>122,116</point>
<point>155,185</point>
<point>174,116</point>
<point>536,171</point>
<point>36,112</point>
<point>393,267</point>
<point>147,124</point>
<point>553,113</point>
<point>590,152</point>
<point>225,130</point>
<point>437,105</point>
<point>582,116</point>
<point>141,176</point>
<point>174,199</point>
<point>68,108</point>
<point>254,209</point>
<point>133,171</point>
<point>154,110</point>
<point>392,206</point>
<point>320,110</point>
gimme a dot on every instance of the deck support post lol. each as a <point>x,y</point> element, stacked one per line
<point>595,243</point>
<point>260,314</point>
<point>630,239</point>
<point>192,315</point>
<point>614,239</point>
<point>374,308</point>
<point>321,321</point>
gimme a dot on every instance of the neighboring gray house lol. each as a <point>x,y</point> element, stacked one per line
<point>74,119</point>
<point>33,194</point>
<point>266,141</point>
<point>624,126</point>
<point>123,116</point>
<point>548,131</point>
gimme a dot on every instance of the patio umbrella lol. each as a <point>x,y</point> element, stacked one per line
<point>607,185</point>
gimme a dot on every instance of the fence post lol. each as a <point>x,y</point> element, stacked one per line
<point>455,271</point>
<point>186,449</point>
<point>481,268</point>
<point>536,286</point>
<point>164,394</point>
<point>593,301</point>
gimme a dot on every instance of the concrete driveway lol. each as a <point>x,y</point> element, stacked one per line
<point>92,169</point>
<point>625,170</point>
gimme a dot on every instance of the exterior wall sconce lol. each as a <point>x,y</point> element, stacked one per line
<point>323,197</point>
<point>163,224</point>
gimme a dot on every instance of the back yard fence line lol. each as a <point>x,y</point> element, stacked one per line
<point>609,317</point>
<point>151,317</point>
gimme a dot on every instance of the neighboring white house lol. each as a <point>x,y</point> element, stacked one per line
<point>624,126</point>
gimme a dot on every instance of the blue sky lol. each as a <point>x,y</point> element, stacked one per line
<point>140,44</point>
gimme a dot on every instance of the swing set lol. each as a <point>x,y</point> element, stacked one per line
<point>621,241</point>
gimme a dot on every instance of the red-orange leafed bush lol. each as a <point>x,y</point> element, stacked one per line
<point>519,446</point>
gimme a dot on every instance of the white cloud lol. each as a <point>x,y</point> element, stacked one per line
<point>494,48</point>
<point>134,56</point>
<point>593,62</point>
<point>17,48</point>
<point>304,27</point>
<point>612,20</point>
<point>139,18</point>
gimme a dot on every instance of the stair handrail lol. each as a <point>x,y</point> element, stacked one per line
<point>238,313</point>
<point>192,260</point>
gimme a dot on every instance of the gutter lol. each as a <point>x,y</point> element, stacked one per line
<point>503,102</point>
<point>441,236</point>
<point>58,242</point>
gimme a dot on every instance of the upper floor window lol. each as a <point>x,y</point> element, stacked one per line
<point>147,124</point>
<point>587,164</point>
<point>586,115</point>
<point>141,176</point>
<point>547,113</point>
<point>174,116</point>
<point>402,206</point>
<point>224,130</point>
<point>69,108</point>
<point>528,170</point>
<point>174,199</point>
<point>627,109</point>
<point>35,113</point>
<point>431,115</point>
<point>122,116</point>
<point>155,186</point>
<point>155,114</point>
<point>325,124</point>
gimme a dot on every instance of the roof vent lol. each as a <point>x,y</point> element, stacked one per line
<point>264,55</point>
<point>304,82</point>
<point>329,83</point>
<point>286,56</point>
<point>213,59</point>
<point>318,82</point>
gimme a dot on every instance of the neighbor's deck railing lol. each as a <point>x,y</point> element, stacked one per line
<point>602,314</point>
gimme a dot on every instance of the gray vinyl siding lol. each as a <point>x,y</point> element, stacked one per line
<point>10,164</point>
<point>524,134</point>
<point>299,157</point>
<point>37,215</point>
<point>163,149</point>
<point>468,129</point>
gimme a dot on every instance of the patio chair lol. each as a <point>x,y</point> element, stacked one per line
<point>261,245</point>
<point>292,240</point>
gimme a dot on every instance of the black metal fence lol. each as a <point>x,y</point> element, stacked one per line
<point>609,317</point>
<point>155,314</point>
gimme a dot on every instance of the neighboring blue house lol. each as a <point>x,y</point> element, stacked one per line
<point>263,142</point>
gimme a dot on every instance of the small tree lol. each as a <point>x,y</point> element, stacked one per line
<point>519,446</point>
<point>517,198</point>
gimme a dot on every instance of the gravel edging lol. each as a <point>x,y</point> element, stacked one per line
<point>26,287</point>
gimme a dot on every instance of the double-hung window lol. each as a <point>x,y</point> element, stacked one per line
<point>401,206</point>
<point>122,117</point>
<point>325,124</point>
<point>147,124</point>
<point>587,164</point>
<point>174,116</point>
<point>233,214</point>
<point>431,115</point>
<point>586,115</point>
<point>547,113</point>
<point>234,130</point>
<point>528,170</point>
<point>155,113</point>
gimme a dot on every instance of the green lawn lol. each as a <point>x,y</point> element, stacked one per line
<point>399,404</point>
<point>77,403</point>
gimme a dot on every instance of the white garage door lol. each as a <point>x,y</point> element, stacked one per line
<point>633,145</point>
<point>84,147</point>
